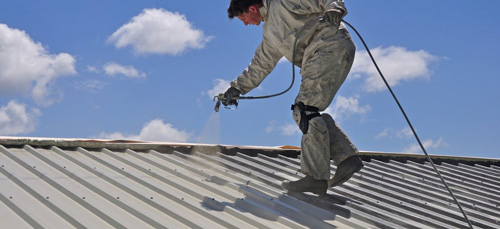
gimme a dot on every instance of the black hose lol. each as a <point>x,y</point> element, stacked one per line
<point>409,123</point>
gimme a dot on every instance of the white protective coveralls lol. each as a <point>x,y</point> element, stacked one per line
<point>325,54</point>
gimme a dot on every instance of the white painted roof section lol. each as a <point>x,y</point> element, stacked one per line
<point>66,183</point>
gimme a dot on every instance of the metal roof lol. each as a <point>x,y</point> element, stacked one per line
<point>64,183</point>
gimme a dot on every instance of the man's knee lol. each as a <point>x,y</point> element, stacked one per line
<point>302,114</point>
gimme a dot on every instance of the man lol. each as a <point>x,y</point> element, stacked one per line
<point>325,53</point>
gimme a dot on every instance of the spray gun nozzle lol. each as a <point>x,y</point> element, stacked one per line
<point>218,98</point>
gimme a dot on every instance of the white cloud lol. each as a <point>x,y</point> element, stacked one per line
<point>287,129</point>
<point>290,129</point>
<point>220,86</point>
<point>428,144</point>
<point>92,69</point>
<point>385,133</point>
<point>27,67</point>
<point>16,119</point>
<point>112,69</point>
<point>396,63</point>
<point>155,130</point>
<point>404,133</point>
<point>344,107</point>
<point>283,60</point>
<point>158,31</point>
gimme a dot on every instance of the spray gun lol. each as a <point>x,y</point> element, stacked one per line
<point>220,98</point>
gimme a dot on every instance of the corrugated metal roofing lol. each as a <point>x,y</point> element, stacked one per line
<point>92,184</point>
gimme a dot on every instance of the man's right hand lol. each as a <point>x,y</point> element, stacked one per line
<point>231,96</point>
<point>333,16</point>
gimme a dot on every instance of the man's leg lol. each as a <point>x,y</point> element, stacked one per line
<point>322,76</point>
<point>343,153</point>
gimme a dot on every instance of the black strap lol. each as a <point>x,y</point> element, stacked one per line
<point>307,108</point>
<point>313,115</point>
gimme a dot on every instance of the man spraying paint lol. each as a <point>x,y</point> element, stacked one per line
<point>325,53</point>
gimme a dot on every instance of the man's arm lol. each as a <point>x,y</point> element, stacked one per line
<point>263,63</point>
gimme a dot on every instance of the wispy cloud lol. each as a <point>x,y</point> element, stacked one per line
<point>404,133</point>
<point>27,67</point>
<point>429,144</point>
<point>155,130</point>
<point>113,68</point>
<point>94,86</point>
<point>345,107</point>
<point>396,63</point>
<point>286,129</point>
<point>158,31</point>
<point>219,86</point>
<point>16,118</point>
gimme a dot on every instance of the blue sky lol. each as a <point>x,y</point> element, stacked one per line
<point>147,70</point>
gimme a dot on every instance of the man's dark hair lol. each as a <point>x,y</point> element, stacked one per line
<point>237,7</point>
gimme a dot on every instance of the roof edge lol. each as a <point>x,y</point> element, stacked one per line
<point>169,147</point>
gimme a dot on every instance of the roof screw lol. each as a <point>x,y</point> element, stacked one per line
<point>149,169</point>
<point>117,197</point>
<point>151,198</point>
<point>94,168</point>
<point>34,166</point>
<point>83,197</point>
<point>64,167</point>
<point>2,166</point>
<point>123,168</point>
<point>10,197</point>
<point>183,198</point>
<point>47,197</point>
<point>400,202</point>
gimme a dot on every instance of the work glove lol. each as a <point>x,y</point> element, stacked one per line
<point>230,96</point>
<point>333,16</point>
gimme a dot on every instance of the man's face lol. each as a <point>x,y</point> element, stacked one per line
<point>251,17</point>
